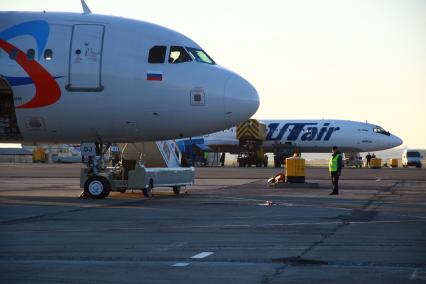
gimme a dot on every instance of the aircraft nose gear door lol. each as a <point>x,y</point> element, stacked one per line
<point>85,60</point>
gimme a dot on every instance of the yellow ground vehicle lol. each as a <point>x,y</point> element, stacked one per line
<point>251,134</point>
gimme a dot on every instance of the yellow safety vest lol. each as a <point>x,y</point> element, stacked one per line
<point>332,165</point>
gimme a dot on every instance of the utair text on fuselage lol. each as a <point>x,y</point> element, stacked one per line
<point>307,131</point>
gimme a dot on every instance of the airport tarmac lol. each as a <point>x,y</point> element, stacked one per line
<point>230,227</point>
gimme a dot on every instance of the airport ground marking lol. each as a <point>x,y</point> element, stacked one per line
<point>413,275</point>
<point>303,224</point>
<point>180,264</point>
<point>202,255</point>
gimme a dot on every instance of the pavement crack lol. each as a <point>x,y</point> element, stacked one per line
<point>361,214</point>
<point>278,271</point>
<point>298,261</point>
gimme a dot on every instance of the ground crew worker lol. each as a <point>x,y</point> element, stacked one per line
<point>335,167</point>
<point>368,158</point>
<point>265,161</point>
<point>222,159</point>
<point>206,159</point>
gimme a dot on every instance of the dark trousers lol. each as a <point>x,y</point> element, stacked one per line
<point>335,181</point>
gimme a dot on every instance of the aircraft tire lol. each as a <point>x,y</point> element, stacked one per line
<point>97,187</point>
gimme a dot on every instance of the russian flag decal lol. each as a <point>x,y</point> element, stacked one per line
<point>154,76</point>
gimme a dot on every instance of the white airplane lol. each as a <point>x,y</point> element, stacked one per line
<point>310,136</point>
<point>72,78</point>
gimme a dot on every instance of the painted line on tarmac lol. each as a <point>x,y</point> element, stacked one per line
<point>418,274</point>
<point>235,226</point>
<point>180,264</point>
<point>411,216</point>
<point>202,255</point>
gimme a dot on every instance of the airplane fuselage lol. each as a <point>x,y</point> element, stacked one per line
<point>77,77</point>
<point>313,136</point>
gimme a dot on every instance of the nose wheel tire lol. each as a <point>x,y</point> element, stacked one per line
<point>97,187</point>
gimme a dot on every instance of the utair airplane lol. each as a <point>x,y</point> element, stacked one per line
<point>74,77</point>
<point>283,137</point>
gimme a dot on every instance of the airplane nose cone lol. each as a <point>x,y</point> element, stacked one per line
<point>241,100</point>
<point>396,141</point>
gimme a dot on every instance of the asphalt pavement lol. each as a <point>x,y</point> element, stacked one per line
<point>230,227</point>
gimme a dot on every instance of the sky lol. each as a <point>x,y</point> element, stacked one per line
<point>362,60</point>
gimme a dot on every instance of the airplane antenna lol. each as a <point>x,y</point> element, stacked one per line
<point>86,9</point>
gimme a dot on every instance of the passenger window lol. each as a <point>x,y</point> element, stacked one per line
<point>13,54</point>
<point>30,54</point>
<point>178,55</point>
<point>157,54</point>
<point>48,54</point>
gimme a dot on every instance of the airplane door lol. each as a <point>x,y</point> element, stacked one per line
<point>85,60</point>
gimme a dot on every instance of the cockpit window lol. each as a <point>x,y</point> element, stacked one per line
<point>157,54</point>
<point>200,56</point>
<point>380,130</point>
<point>178,54</point>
